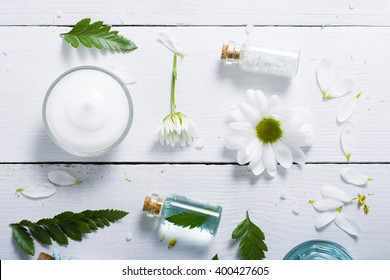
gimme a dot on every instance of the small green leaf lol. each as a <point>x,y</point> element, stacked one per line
<point>252,244</point>
<point>188,219</point>
<point>82,226</point>
<point>23,239</point>
<point>92,225</point>
<point>40,234</point>
<point>97,35</point>
<point>57,234</point>
<point>71,231</point>
<point>215,258</point>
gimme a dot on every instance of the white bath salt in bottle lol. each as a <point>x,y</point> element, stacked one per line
<point>262,59</point>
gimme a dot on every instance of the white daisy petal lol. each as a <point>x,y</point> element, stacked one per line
<point>41,190</point>
<point>325,218</point>
<point>283,154</point>
<point>252,146</point>
<point>273,105</point>
<point>250,113</point>
<point>347,224</point>
<point>327,205</point>
<point>167,40</point>
<point>256,164</point>
<point>325,75</point>
<point>243,126</point>
<point>261,102</point>
<point>354,176</point>
<point>235,114</point>
<point>297,153</point>
<point>348,139</point>
<point>334,193</point>
<point>250,96</point>
<point>62,178</point>
<point>341,88</point>
<point>242,157</point>
<point>269,160</point>
<point>258,168</point>
<point>347,109</point>
<point>233,140</point>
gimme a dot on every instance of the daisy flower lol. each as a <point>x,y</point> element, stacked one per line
<point>176,127</point>
<point>265,134</point>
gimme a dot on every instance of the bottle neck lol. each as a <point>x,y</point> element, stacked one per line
<point>153,205</point>
<point>231,52</point>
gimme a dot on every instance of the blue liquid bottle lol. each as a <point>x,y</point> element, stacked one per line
<point>193,214</point>
<point>318,250</point>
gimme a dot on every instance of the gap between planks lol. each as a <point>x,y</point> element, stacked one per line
<point>179,163</point>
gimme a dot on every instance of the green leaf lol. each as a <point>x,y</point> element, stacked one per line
<point>62,226</point>
<point>252,246</point>
<point>215,258</point>
<point>23,239</point>
<point>97,35</point>
<point>188,219</point>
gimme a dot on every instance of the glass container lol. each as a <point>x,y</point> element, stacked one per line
<point>318,250</point>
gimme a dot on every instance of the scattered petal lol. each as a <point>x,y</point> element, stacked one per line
<point>249,29</point>
<point>347,109</point>
<point>348,139</point>
<point>354,176</point>
<point>340,89</point>
<point>172,243</point>
<point>348,225</point>
<point>326,205</point>
<point>167,40</point>
<point>325,76</point>
<point>38,190</point>
<point>334,193</point>
<point>325,218</point>
<point>295,210</point>
<point>62,178</point>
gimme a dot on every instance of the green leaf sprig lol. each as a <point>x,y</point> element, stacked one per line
<point>252,244</point>
<point>188,219</point>
<point>62,226</point>
<point>97,35</point>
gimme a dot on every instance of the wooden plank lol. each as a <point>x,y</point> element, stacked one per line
<point>105,186</point>
<point>32,57</point>
<point>202,12</point>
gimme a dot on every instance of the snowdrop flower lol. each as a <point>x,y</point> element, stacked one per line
<point>265,134</point>
<point>354,176</point>
<point>326,81</point>
<point>331,207</point>
<point>348,108</point>
<point>176,127</point>
<point>348,139</point>
<point>41,190</point>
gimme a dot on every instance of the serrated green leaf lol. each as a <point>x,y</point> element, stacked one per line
<point>40,234</point>
<point>97,35</point>
<point>56,234</point>
<point>23,239</point>
<point>62,226</point>
<point>252,244</point>
<point>215,258</point>
<point>188,219</point>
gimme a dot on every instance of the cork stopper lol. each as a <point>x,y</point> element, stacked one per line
<point>152,205</point>
<point>45,257</point>
<point>230,51</point>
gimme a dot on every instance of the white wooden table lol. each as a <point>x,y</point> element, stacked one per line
<point>354,34</point>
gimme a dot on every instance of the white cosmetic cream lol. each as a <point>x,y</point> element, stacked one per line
<point>87,111</point>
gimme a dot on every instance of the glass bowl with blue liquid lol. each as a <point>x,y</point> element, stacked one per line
<point>318,250</point>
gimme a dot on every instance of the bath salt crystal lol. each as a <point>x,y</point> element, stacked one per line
<point>5,54</point>
<point>249,29</point>
<point>59,15</point>
<point>283,196</point>
<point>129,237</point>
<point>198,143</point>
<point>295,210</point>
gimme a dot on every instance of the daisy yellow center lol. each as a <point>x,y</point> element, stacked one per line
<point>268,130</point>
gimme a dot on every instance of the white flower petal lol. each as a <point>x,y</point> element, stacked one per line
<point>252,146</point>
<point>261,102</point>
<point>325,218</point>
<point>38,190</point>
<point>348,138</point>
<point>269,160</point>
<point>297,153</point>
<point>250,113</point>
<point>256,164</point>
<point>245,127</point>
<point>299,137</point>
<point>242,157</point>
<point>325,75</point>
<point>167,40</point>
<point>354,176</point>
<point>327,204</point>
<point>334,193</point>
<point>347,110</point>
<point>235,114</point>
<point>273,105</point>
<point>347,224</point>
<point>62,178</point>
<point>282,154</point>
<point>341,88</point>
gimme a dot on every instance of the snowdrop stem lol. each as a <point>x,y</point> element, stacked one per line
<point>174,78</point>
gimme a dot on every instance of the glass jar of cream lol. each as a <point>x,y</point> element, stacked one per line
<point>318,250</point>
<point>87,111</point>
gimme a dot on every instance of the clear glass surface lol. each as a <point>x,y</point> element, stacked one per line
<point>318,250</point>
